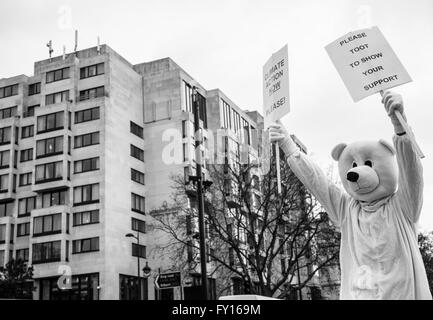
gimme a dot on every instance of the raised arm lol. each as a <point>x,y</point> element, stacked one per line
<point>410,183</point>
<point>330,196</point>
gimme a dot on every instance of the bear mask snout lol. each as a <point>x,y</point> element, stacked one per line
<point>352,176</point>
<point>362,179</point>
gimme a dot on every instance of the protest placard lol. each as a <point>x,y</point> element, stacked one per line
<point>368,65</point>
<point>276,102</point>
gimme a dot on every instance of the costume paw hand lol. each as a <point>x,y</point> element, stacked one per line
<point>278,133</point>
<point>394,102</point>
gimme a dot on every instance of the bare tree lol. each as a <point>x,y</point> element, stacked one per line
<point>425,241</point>
<point>267,242</point>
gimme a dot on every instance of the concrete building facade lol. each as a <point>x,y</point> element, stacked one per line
<point>85,153</point>
<point>68,194</point>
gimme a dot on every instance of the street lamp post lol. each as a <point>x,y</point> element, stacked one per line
<point>146,270</point>
<point>200,200</point>
<point>137,237</point>
<point>146,274</point>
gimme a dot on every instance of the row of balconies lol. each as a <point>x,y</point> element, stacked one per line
<point>85,95</point>
<point>59,179</point>
<point>53,230</point>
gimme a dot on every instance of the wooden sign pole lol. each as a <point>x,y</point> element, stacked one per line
<point>408,131</point>
<point>277,163</point>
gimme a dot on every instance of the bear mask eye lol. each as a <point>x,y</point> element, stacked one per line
<point>368,163</point>
<point>354,165</point>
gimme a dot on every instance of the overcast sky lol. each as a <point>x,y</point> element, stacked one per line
<point>224,44</point>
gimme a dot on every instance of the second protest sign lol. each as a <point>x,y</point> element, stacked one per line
<point>366,63</point>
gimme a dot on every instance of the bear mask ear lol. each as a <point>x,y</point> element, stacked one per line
<point>387,145</point>
<point>338,149</point>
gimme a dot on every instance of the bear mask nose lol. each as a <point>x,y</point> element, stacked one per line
<point>352,176</point>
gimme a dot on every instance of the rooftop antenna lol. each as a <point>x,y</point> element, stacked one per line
<point>76,41</point>
<point>64,52</point>
<point>98,47</point>
<point>50,48</point>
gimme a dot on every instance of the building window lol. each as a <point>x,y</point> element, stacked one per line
<point>5,135</point>
<point>46,252</point>
<point>128,288</point>
<point>22,254</point>
<point>184,128</point>
<point>137,176</point>
<point>138,250</point>
<point>86,194</point>
<point>202,109</point>
<point>92,71</point>
<point>57,75</point>
<point>26,155</point>
<point>87,115</point>
<point>25,179</point>
<point>8,112</point>
<point>25,206</point>
<point>2,233</point>
<point>84,287</point>
<point>226,114</point>
<point>17,130</point>
<point>85,245</point>
<point>67,247</point>
<point>6,209</point>
<point>49,224</point>
<point>85,140</point>
<point>15,158</point>
<point>85,217</point>
<point>30,111</point>
<point>49,147</point>
<point>136,129</point>
<point>23,229</point>
<point>4,183</point>
<point>57,97</point>
<point>5,159</point>
<point>49,172</point>
<point>68,171</point>
<point>246,132</point>
<point>27,131</point>
<point>34,88</point>
<point>138,225</point>
<point>51,122</point>
<point>137,153</point>
<point>137,203</point>
<point>54,198</point>
<point>91,93</point>
<point>86,165</point>
<point>9,91</point>
<point>11,238</point>
<point>185,151</point>
<point>186,101</point>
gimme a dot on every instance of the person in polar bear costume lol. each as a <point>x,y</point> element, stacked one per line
<point>379,253</point>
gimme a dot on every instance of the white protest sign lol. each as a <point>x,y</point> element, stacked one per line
<point>276,87</point>
<point>366,63</point>
<point>276,102</point>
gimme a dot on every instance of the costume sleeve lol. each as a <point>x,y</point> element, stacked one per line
<point>410,182</point>
<point>331,197</point>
